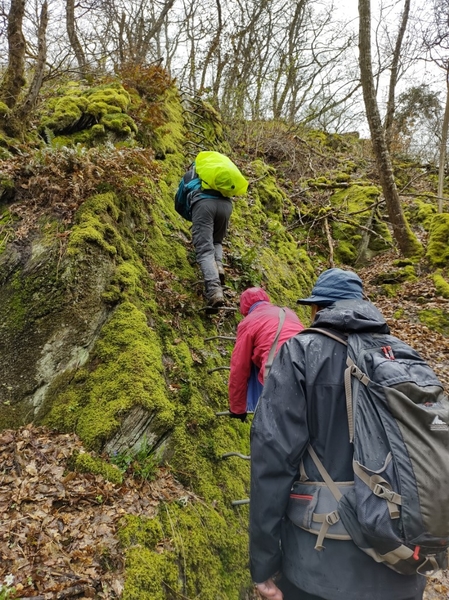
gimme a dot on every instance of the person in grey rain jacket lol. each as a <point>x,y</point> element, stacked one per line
<point>304,402</point>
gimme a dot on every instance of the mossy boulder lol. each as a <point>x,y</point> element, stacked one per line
<point>436,319</point>
<point>438,244</point>
<point>400,275</point>
<point>441,284</point>
<point>355,206</point>
<point>88,116</point>
<point>421,211</point>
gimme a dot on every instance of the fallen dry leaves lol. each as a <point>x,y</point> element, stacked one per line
<point>410,299</point>
<point>58,527</point>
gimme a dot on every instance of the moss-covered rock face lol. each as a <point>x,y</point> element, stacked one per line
<point>103,327</point>
<point>438,244</point>
<point>52,311</point>
<point>267,192</point>
<point>196,535</point>
<point>404,273</point>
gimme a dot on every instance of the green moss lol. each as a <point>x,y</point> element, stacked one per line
<point>421,211</point>
<point>200,560</point>
<point>151,575</point>
<point>319,181</point>
<point>91,227</point>
<point>169,138</point>
<point>140,531</point>
<point>4,109</point>
<point>347,251</point>
<point>342,177</point>
<point>128,372</point>
<point>438,244</point>
<point>436,319</point>
<point>391,289</point>
<point>66,111</point>
<point>267,191</point>
<point>356,201</point>
<point>118,123</point>
<point>441,285</point>
<point>31,297</point>
<point>406,273</point>
<point>86,463</point>
<point>87,116</point>
<point>318,136</point>
<point>403,262</point>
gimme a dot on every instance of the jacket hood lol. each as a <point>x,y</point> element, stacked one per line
<point>250,297</point>
<point>352,316</point>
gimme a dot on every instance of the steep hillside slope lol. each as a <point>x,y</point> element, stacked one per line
<point>103,329</point>
<point>104,336</point>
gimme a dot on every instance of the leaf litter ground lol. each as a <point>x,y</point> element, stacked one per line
<point>58,528</point>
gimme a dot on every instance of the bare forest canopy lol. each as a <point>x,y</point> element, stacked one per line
<point>297,61</point>
<point>114,483</point>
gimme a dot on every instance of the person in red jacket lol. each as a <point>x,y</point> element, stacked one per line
<point>256,334</point>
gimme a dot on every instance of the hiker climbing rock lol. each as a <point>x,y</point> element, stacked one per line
<point>259,336</point>
<point>204,197</point>
<point>349,482</point>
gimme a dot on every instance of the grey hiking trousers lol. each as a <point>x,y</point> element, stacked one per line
<point>210,218</point>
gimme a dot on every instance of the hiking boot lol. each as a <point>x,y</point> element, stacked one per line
<point>221,274</point>
<point>217,299</point>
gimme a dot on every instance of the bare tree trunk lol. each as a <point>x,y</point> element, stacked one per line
<point>407,242</point>
<point>23,112</point>
<point>14,77</point>
<point>394,74</point>
<point>214,45</point>
<point>73,38</point>
<point>443,147</point>
<point>291,59</point>
<point>154,30</point>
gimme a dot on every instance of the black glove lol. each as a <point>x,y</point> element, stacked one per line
<point>241,416</point>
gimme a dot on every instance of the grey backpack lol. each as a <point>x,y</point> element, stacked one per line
<point>397,508</point>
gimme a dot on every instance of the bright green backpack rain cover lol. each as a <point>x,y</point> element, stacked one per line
<point>218,172</point>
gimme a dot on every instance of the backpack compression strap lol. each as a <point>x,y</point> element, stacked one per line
<point>274,344</point>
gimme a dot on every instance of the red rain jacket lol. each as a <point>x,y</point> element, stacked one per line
<point>255,336</point>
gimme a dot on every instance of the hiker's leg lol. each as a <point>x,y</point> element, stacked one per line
<point>223,212</point>
<point>203,217</point>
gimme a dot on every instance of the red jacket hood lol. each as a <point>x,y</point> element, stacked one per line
<point>250,297</point>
